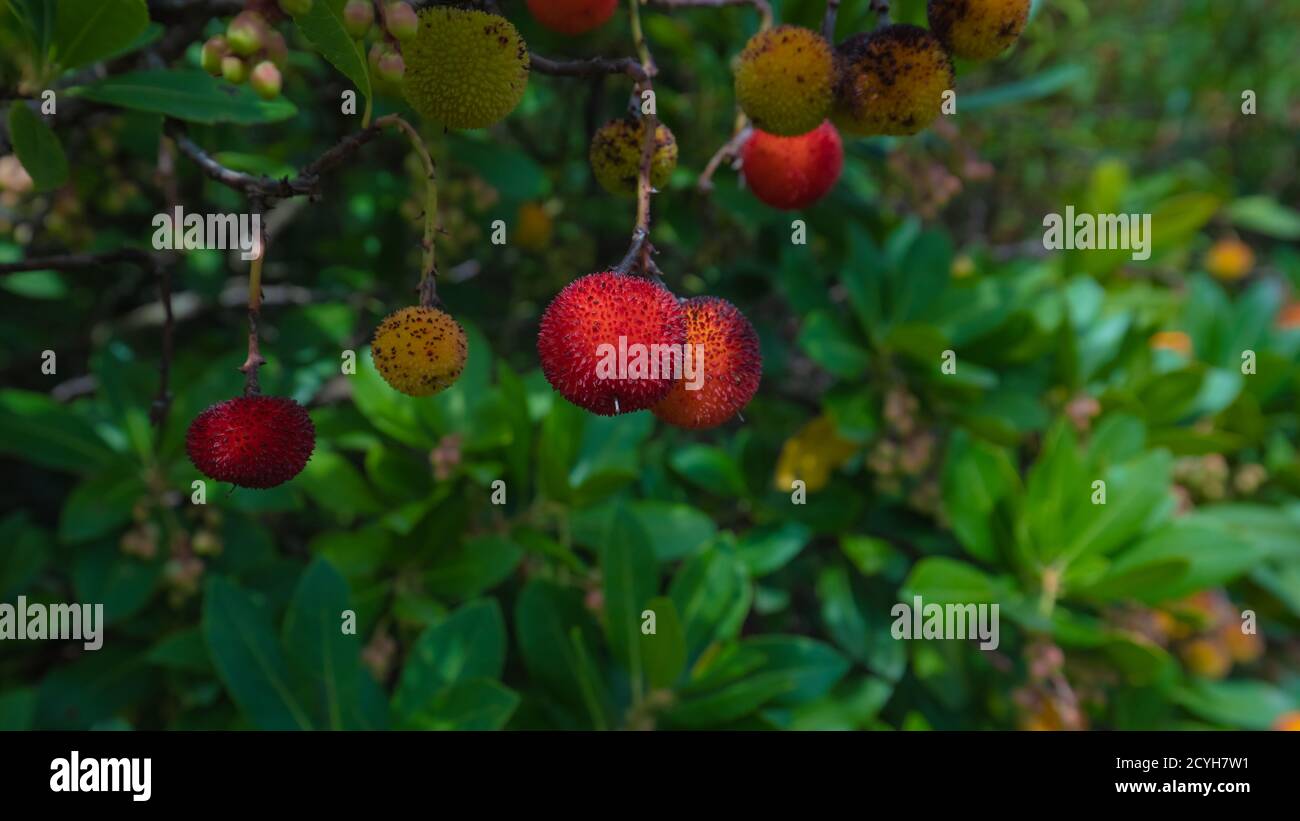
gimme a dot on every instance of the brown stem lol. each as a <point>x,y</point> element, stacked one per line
<point>881,8</point>
<point>592,67</point>
<point>254,360</point>
<point>729,151</point>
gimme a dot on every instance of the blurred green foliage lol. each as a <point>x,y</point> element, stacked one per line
<point>973,486</point>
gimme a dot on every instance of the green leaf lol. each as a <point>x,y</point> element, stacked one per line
<point>89,30</point>
<point>100,504</point>
<point>37,148</point>
<point>337,486</point>
<point>1210,556</point>
<point>323,26</point>
<point>767,548</point>
<point>806,668</point>
<point>664,651</point>
<point>544,614</point>
<point>1137,495</point>
<point>473,566</point>
<point>248,659</point>
<point>24,552</point>
<point>477,704</point>
<point>631,579</point>
<point>1246,705</point>
<point>17,709</point>
<point>318,650</point>
<point>192,95</point>
<point>978,479</point>
<point>1043,84</point>
<point>833,347</point>
<point>710,468</point>
<point>1265,215</point>
<point>940,580</point>
<point>468,644</point>
<point>712,593</point>
<point>123,584</point>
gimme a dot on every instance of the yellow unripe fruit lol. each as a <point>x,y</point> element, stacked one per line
<point>616,155</point>
<point>977,29</point>
<point>1229,260</point>
<point>419,351</point>
<point>785,79</point>
<point>533,227</point>
<point>1206,658</point>
<point>891,81</point>
<point>464,68</point>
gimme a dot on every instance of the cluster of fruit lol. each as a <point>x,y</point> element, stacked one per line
<point>397,24</point>
<point>465,68</point>
<point>251,49</point>
<point>796,88</point>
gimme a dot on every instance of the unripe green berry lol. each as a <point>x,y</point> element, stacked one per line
<point>358,17</point>
<point>265,80</point>
<point>294,8</point>
<point>210,57</point>
<point>245,33</point>
<point>377,50</point>
<point>391,67</point>
<point>400,20</point>
<point>233,69</point>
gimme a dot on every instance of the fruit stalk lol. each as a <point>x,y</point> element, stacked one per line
<point>428,287</point>
<point>254,359</point>
<point>640,251</point>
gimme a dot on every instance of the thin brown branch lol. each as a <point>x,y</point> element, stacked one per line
<point>74,262</point>
<point>729,151</point>
<point>881,8</point>
<point>305,183</point>
<point>592,67</point>
<point>254,359</point>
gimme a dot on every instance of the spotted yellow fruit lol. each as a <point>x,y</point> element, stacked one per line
<point>785,79</point>
<point>615,155</point>
<point>891,81</point>
<point>977,29</point>
<point>464,68</point>
<point>419,351</point>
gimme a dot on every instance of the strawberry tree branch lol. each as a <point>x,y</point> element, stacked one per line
<point>729,151</point>
<point>254,359</point>
<point>428,287</point>
<point>592,67</point>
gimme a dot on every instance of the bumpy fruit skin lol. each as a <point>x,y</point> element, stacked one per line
<point>252,441</point>
<point>793,172</point>
<point>594,311</point>
<point>733,366</point>
<point>785,79</point>
<point>419,351</point>
<point>891,81</point>
<point>977,29</point>
<point>465,68</point>
<point>615,155</point>
<point>572,17</point>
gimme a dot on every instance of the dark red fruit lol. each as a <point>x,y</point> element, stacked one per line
<point>252,441</point>
<point>793,172</point>
<point>732,366</point>
<point>601,320</point>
